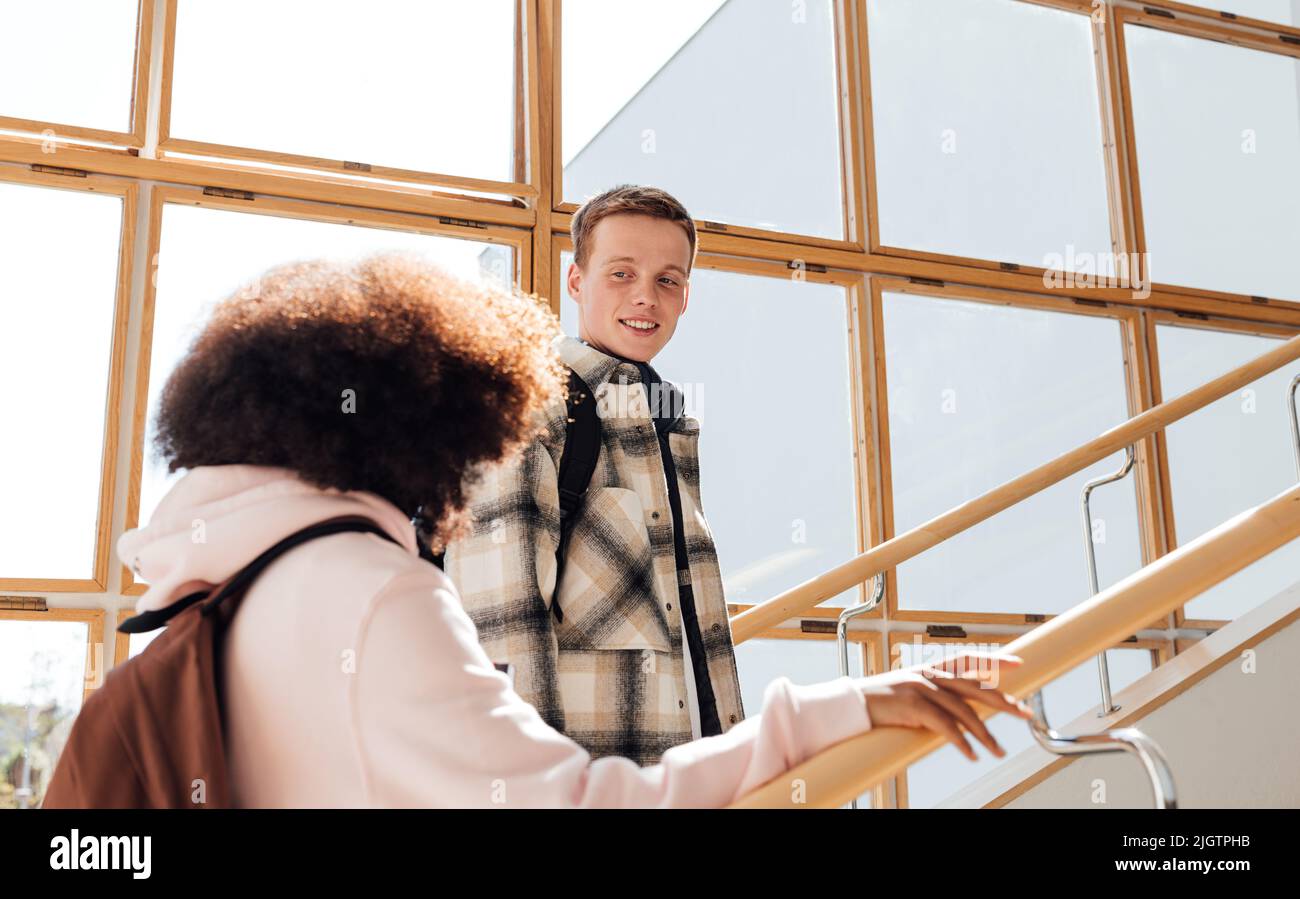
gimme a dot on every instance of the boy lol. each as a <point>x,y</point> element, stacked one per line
<point>629,653</point>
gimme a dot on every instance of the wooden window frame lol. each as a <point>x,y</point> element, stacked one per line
<point>537,224</point>
<point>128,193</point>
<point>1210,15</point>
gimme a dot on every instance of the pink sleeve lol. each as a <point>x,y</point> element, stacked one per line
<point>436,725</point>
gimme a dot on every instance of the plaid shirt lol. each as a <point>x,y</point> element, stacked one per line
<point>611,674</point>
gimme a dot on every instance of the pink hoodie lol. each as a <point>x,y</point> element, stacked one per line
<point>353,677</point>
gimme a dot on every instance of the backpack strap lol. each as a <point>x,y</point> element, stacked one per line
<point>577,464</point>
<point>156,618</point>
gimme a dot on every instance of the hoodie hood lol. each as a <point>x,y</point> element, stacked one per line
<point>217,519</point>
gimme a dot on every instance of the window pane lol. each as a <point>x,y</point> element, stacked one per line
<point>59,267</point>
<point>945,771</point>
<point>1218,136</point>
<point>191,279</point>
<point>1284,12</point>
<point>987,130</point>
<point>42,679</point>
<point>759,662</point>
<point>423,86</point>
<point>980,394</point>
<point>1228,457</point>
<point>732,107</point>
<point>776,441</point>
<point>70,62</point>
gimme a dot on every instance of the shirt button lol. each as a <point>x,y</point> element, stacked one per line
<point>670,607</point>
<point>680,704</point>
<point>717,626</point>
<point>733,719</point>
<point>654,515</point>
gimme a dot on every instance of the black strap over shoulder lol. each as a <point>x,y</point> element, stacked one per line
<point>577,464</point>
<point>581,448</point>
<point>156,618</point>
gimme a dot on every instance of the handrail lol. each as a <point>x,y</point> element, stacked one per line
<point>849,768</point>
<point>890,554</point>
<point>842,630</point>
<point>1103,669</point>
<point>1122,739</point>
<point>1295,422</point>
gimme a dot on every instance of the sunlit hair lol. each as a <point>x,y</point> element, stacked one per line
<point>649,201</point>
<point>388,375</point>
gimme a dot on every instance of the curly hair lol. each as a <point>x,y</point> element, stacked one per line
<point>388,375</point>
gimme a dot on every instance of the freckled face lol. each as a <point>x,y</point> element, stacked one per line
<point>634,286</point>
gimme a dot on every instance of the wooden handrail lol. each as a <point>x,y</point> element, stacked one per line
<point>847,769</point>
<point>893,553</point>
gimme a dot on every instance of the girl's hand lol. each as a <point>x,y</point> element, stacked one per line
<point>937,697</point>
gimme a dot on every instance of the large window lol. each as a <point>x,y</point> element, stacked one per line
<point>423,87</point>
<point>979,393</point>
<point>987,138</point>
<point>715,102</point>
<point>59,258</point>
<point>868,343</point>
<point>1232,455</point>
<point>1218,139</point>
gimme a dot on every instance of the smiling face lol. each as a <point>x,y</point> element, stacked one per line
<point>634,286</point>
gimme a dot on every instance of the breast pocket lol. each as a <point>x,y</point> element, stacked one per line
<point>606,590</point>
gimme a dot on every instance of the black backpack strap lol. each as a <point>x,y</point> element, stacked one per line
<point>577,464</point>
<point>156,618</point>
